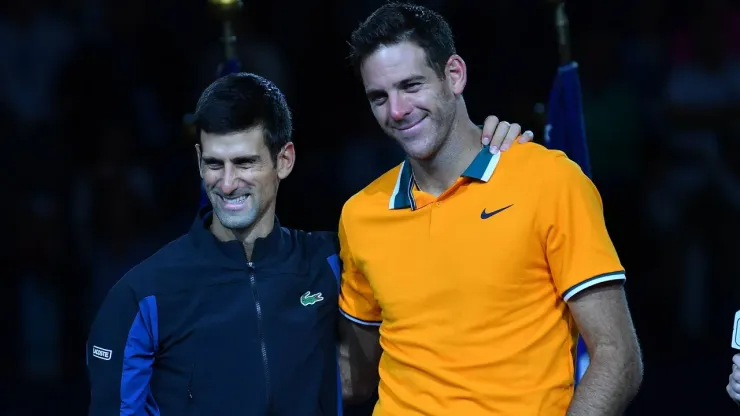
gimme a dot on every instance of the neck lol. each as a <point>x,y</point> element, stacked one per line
<point>438,173</point>
<point>247,236</point>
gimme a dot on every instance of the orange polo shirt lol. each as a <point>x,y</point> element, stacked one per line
<point>470,289</point>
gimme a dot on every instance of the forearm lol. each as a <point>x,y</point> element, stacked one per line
<point>353,390</point>
<point>609,384</point>
<point>359,354</point>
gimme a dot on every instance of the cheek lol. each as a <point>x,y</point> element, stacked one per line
<point>441,105</point>
<point>433,99</point>
<point>380,113</point>
<point>210,177</point>
<point>262,180</point>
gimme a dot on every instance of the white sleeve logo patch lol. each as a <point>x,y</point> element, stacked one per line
<point>101,353</point>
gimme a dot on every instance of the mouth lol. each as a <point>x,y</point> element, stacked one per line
<point>234,203</point>
<point>410,127</point>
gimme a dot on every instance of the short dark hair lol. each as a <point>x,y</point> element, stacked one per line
<point>394,23</point>
<point>242,101</point>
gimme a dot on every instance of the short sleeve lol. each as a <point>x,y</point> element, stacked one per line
<point>356,300</point>
<point>580,252</point>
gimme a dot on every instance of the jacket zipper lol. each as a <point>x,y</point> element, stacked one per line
<point>190,383</point>
<point>260,327</point>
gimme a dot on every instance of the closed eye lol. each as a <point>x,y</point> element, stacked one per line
<point>412,87</point>
<point>243,162</point>
<point>377,98</point>
<point>246,161</point>
<point>212,163</point>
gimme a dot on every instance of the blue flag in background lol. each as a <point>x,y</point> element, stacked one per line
<point>565,131</point>
<point>230,66</point>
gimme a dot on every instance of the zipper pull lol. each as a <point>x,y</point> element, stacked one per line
<point>251,265</point>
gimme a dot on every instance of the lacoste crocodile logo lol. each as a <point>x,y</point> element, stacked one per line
<point>307,299</point>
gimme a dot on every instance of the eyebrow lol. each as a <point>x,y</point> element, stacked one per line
<point>399,85</point>
<point>239,160</point>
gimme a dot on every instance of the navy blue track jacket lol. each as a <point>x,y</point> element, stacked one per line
<point>197,329</point>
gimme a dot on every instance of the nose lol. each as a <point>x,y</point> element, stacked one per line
<point>229,181</point>
<point>399,107</point>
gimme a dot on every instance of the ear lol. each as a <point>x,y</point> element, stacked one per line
<point>457,74</point>
<point>285,160</point>
<point>200,160</point>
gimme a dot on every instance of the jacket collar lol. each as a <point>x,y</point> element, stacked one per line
<point>232,252</point>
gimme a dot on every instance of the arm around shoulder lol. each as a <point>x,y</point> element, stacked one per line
<point>120,353</point>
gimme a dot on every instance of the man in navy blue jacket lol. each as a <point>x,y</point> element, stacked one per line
<point>239,315</point>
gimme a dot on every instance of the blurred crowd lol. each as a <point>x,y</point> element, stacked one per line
<point>101,172</point>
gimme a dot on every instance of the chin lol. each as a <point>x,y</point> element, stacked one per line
<point>235,220</point>
<point>420,148</point>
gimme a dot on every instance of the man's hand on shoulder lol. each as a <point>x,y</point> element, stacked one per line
<point>501,135</point>
<point>733,387</point>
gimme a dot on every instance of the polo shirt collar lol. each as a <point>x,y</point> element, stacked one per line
<point>481,169</point>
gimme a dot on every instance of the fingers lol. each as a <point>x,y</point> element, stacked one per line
<point>735,376</point>
<point>731,393</point>
<point>514,131</point>
<point>733,389</point>
<point>527,136</point>
<point>489,127</point>
<point>499,135</point>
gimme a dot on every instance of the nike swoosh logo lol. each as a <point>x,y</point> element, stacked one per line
<point>486,215</point>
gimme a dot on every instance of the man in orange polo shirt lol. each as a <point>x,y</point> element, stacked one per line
<point>467,276</point>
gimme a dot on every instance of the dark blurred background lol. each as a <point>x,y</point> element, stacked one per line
<point>100,171</point>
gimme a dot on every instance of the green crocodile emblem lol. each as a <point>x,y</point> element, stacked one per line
<point>308,299</point>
